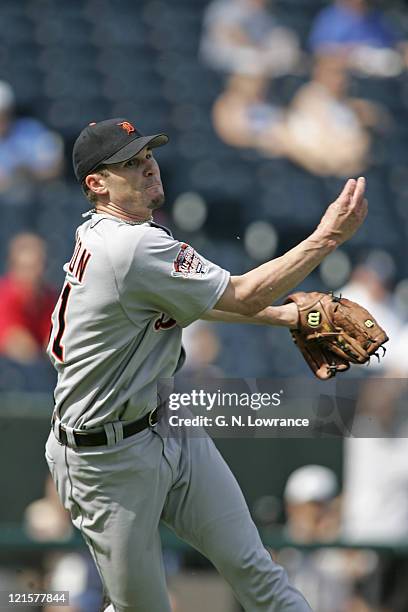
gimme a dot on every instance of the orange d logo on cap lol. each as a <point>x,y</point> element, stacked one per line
<point>128,127</point>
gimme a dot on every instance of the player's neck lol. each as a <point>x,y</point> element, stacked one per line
<point>124,215</point>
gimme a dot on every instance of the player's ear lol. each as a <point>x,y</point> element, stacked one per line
<point>96,183</point>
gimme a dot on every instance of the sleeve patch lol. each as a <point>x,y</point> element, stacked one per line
<point>188,263</point>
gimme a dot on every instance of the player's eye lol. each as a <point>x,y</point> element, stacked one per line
<point>135,162</point>
<point>131,162</point>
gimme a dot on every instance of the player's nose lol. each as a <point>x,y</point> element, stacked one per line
<point>149,168</point>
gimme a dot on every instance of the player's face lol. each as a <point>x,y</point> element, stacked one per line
<point>135,185</point>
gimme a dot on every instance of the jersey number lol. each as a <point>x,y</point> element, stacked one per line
<point>57,346</point>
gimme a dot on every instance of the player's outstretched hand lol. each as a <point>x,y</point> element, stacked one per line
<point>345,215</point>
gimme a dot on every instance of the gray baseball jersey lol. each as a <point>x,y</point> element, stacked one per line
<point>116,329</point>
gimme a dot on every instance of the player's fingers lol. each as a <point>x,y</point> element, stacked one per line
<point>348,189</point>
<point>358,195</point>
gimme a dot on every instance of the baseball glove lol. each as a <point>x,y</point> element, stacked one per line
<point>333,332</point>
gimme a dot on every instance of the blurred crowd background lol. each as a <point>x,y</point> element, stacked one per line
<point>269,105</point>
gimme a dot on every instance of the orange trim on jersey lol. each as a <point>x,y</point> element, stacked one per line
<point>74,256</point>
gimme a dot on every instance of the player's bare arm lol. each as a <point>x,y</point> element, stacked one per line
<point>254,291</point>
<point>283,316</point>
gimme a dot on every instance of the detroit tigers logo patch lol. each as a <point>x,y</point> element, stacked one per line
<point>188,263</point>
<point>128,127</point>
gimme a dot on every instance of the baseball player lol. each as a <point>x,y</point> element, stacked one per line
<point>130,288</point>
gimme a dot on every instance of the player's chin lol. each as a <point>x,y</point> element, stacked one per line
<point>156,200</point>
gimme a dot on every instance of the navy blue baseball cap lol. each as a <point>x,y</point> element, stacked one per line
<point>109,142</point>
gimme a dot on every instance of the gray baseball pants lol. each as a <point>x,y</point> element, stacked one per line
<point>117,495</point>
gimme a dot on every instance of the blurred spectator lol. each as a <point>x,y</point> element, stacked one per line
<point>325,130</point>
<point>28,150</point>
<point>243,36</point>
<point>371,41</point>
<point>312,512</point>
<point>26,301</point>
<point>242,112</point>
<point>328,576</point>
<point>202,348</point>
<point>370,285</point>
<point>46,518</point>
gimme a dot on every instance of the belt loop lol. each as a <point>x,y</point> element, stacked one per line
<point>118,431</point>
<point>110,434</point>
<point>70,436</point>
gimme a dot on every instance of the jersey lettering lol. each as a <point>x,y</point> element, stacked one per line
<point>79,263</point>
<point>57,346</point>
<point>82,263</point>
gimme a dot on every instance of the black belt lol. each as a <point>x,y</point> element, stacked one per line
<point>99,438</point>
